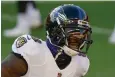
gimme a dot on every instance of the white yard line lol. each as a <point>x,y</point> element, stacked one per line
<point>97,30</point>
<point>103,31</point>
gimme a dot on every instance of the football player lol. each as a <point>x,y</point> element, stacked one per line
<point>61,55</point>
<point>28,17</point>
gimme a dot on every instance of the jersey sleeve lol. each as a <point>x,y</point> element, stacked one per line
<point>25,45</point>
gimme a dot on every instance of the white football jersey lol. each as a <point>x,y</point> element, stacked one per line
<point>41,62</point>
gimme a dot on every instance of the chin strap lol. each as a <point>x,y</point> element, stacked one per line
<point>67,51</point>
<point>70,51</point>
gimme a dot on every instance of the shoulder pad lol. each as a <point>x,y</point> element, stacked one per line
<point>85,63</point>
<point>25,42</point>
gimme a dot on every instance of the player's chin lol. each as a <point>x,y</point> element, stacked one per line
<point>73,46</point>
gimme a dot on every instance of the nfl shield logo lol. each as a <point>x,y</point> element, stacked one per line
<point>59,75</point>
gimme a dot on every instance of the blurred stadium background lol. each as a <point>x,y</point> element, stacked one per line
<point>102,19</point>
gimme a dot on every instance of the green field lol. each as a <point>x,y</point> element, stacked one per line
<point>101,14</point>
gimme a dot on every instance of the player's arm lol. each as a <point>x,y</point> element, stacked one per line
<point>13,66</point>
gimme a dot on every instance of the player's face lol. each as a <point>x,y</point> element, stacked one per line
<point>75,40</point>
<point>75,37</point>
